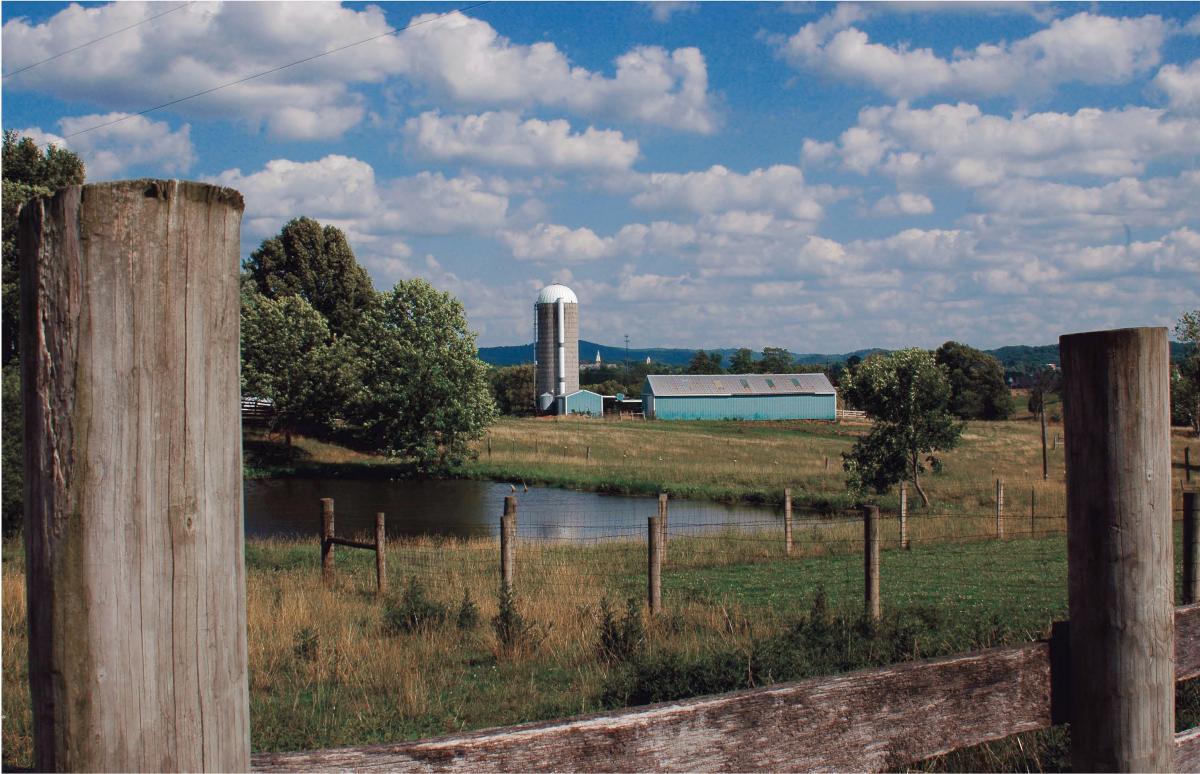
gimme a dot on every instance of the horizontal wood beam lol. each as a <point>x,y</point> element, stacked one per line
<point>337,541</point>
<point>871,720</point>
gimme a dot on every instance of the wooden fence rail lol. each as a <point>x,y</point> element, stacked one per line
<point>871,720</point>
<point>329,540</point>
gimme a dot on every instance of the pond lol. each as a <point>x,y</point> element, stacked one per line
<point>460,508</point>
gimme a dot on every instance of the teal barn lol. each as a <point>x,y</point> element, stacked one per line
<point>581,402</point>
<point>739,396</point>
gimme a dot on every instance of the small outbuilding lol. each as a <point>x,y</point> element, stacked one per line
<point>582,402</point>
<point>739,396</point>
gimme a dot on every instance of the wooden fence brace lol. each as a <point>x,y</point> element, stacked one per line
<point>380,555</point>
<point>787,522</point>
<point>904,516</point>
<point>663,521</point>
<point>1119,549</point>
<point>327,532</point>
<point>508,542</point>
<point>871,606</point>
<point>654,555</point>
<point>1191,547</point>
<point>999,508</point>
<point>134,542</point>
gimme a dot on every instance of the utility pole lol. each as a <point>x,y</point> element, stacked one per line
<point>627,373</point>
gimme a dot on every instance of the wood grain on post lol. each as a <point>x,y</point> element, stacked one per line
<point>1119,545</point>
<point>999,508</point>
<point>327,534</point>
<point>380,555</point>
<point>871,606</point>
<point>136,584</point>
<point>508,542</point>
<point>1191,547</point>
<point>904,516</point>
<point>654,564</point>
<point>787,522</point>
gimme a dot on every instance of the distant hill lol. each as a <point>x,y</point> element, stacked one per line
<point>1014,358</point>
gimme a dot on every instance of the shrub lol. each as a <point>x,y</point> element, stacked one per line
<point>467,618</point>
<point>514,634</point>
<point>306,644</point>
<point>623,639</point>
<point>414,611</point>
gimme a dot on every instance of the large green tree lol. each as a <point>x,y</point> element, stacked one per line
<point>316,263</point>
<point>706,363</point>
<point>977,386</point>
<point>289,357</point>
<point>425,392</point>
<point>28,171</point>
<point>776,360</point>
<point>1185,382</point>
<point>907,394</point>
<point>742,362</point>
<point>513,389</point>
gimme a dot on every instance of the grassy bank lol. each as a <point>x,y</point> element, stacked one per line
<point>755,461</point>
<point>337,666</point>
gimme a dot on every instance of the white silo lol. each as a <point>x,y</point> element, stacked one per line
<point>556,317</point>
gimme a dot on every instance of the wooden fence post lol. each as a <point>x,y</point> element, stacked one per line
<point>589,454</point>
<point>904,516</point>
<point>489,441</point>
<point>999,508</point>
<point>134,560</point>
<point>663,520</point>
<point>1045,459</point>
<point>380,555</point>
<point>654,556</point>
<point>1191,547</point>
<point>787,522</point>
<point>1032,511</point>
<point>871,607</point>
<point>827,464</point>
<point>327,532</point>
<point>1187,464</point>
<point>508,542</point>
<point>1119,547</point>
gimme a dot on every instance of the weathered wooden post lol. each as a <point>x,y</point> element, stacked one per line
<point>489,442</point>
<point>1187,463</point>
<point>871,607</point>
<point>654,555</point>
<point>787,522</point>
<point>999,508</point>
<point>380,555</point>
<point>589,454</point>
<point>827,464</point>
<point>508,542</point>
<point>327,532</point>
<point>1032,511</point>
<point>1119,543</point>
<point>663,498</point>
<point>904,516</point>
<point>1191,547</point>
<point>133,478</point>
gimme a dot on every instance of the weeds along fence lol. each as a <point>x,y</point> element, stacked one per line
<point>957,564</point>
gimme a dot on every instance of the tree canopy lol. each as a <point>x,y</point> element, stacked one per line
<point>742,362</point>
<point>977,386</point>
<point>776,360</point>
<point>1185,382</point>
<point>513,389</point>
<point>316,264</point>
<point>289,357</point>
<point>706,363</point>
<point>425,392</point>
<point>907,394</point>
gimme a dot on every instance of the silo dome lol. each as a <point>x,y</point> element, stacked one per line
<point>552,293</point>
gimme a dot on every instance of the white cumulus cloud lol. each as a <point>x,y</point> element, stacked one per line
<point>780,188</point>
<point>1181,85</point>
<point>502,138</point>
<point>1085,48</point>
<point>135,143</point>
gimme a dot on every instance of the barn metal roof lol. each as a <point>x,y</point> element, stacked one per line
<point>740,384</point>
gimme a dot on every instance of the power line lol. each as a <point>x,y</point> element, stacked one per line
<point>97,40</point>
<point>272,70</point>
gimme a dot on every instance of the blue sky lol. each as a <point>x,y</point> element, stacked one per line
<point>814,176</point>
